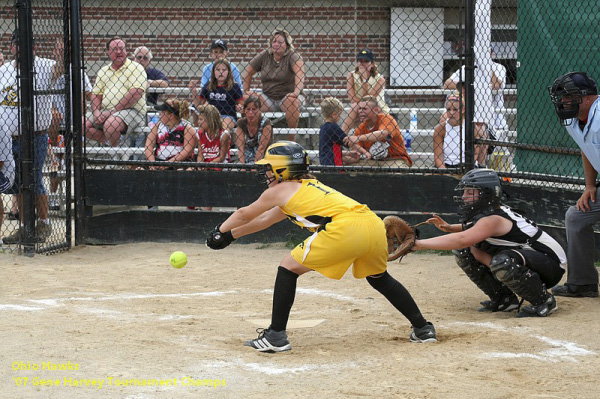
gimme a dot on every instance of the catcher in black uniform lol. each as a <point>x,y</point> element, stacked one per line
<point>502,252</point>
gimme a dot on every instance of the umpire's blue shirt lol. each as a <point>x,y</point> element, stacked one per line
<point>588,139</point>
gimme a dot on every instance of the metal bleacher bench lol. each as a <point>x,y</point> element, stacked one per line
<point>123,153</point>
<point>311,110</point>
<point>274,116</point>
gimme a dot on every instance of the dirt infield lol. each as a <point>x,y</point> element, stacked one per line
<point>121,317</point>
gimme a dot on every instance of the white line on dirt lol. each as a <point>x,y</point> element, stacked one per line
<point>147,296</point>
<point>559,350</point>
<point>20,308</point>
<point>314,291</point>
<point>53,302</point>
<point>274,369</point>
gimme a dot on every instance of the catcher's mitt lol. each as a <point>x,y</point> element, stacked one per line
<point>401,236</point>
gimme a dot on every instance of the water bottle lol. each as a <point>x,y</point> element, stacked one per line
<point>414,119</point>
<point>407,141</point>
<point>153,121</point>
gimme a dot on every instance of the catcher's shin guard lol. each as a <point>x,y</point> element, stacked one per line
<point>520,279</point>
<point>479,274</point>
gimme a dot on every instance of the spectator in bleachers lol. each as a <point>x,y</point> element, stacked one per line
<point>449,137</point>
<point>7,170</point>
<point>332,138</point>
<point>173,138</point>
<point>118,98</point>
<point>379,127</point>
<point>155,77</point>
<point>219,51</point>
<point>58,128</point>
<point>497,120</point>
<point>46,70</point>
<point>365,80</point>
<point>222,92</point>
<point>254,132</point>
<point>481,130</point>
<point>214,141</point>
<point>485,114</point>
<point>282,75</point>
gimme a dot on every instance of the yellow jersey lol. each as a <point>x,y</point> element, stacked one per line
<point>315,204</point>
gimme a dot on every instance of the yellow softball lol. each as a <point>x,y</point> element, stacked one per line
<point>178,259</point>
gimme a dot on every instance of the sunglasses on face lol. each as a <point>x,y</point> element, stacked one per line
<point>142,57</point>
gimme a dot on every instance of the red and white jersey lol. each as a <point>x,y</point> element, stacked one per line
<point>170,142</point>
<point>211,147</point>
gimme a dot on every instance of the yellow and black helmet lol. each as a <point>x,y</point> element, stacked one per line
<point>286,159</point>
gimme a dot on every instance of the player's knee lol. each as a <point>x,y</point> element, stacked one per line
<point>381,282</point>
<point>465,259</point>
<point>505,267</point>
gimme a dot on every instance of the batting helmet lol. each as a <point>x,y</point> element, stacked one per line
<point>487,183</point>
<point>287,160</point>
<point>567,93</point>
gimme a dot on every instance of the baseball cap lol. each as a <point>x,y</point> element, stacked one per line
<point>166,107</point>
<point>583,82</point>
<point>219,43</point>
<point>366,54</point>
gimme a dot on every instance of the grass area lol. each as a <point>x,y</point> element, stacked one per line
<point>436,251</point>
<point>295,237</point>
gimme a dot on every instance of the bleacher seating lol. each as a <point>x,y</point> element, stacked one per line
<point>308,136</point>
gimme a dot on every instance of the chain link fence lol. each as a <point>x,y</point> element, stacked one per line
<point>292,58</point>
<point>373,86</point>
<point>32,137</point>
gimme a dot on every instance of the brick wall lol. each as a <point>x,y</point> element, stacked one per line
<point>181,39</point>
<point>327,33</point>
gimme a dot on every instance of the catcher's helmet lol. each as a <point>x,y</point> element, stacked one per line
<point>287,160</point>
<point>567,93</point>
<point>487,183</point>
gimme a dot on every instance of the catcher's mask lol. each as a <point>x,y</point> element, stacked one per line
<point>567,93</point>
<point>286,160</point>
<point>489,189</point>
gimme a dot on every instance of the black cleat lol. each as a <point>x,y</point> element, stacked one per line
<point>270,341</point>
<point>423,334</point>
<point>505,303</point>
<point>576,291</point>
<point>543,310</point>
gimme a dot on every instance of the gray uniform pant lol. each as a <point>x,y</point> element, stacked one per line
<point>580,243</point>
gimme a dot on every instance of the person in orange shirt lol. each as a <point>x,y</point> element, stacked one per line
<point>377,127</point>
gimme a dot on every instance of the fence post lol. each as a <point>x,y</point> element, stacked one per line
<point>78,164</point>
<point>469,81</point>
<point>25,59</point>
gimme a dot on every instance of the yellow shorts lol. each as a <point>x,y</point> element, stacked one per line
<point>356,238</point>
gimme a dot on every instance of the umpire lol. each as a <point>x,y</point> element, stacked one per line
<point>575,99</point>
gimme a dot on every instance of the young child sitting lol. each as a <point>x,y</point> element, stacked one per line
<point>332,137</point>
<point>214,141</point>
<point>222,92</point>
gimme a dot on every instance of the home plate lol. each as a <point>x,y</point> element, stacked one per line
<point>291,323</point>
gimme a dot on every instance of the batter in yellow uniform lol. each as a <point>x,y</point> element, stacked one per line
<point>345,233</point>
